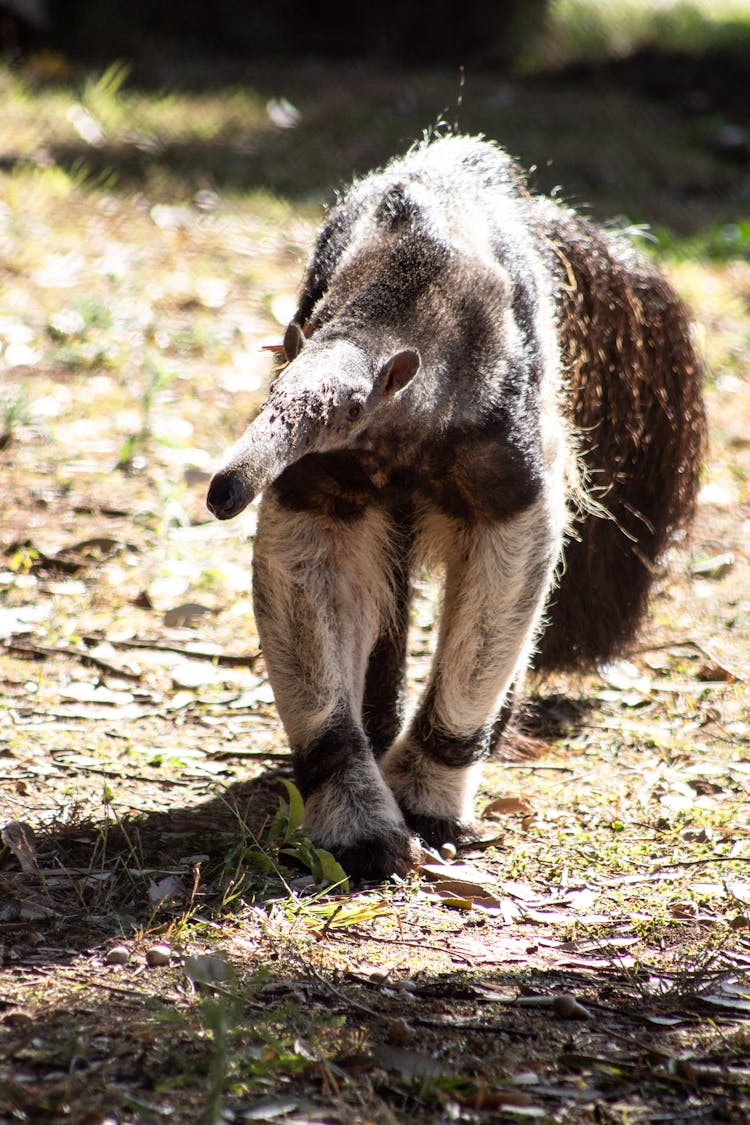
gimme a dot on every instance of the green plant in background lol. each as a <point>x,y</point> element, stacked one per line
<point>287,837</point>
<point>594,29</point>
<point>101,97</point>
<point>719,242</point>
<point>23,559</point>
<point>158,378</point>
<point>15,412</point>
<point>259,869</point>
<point>246,1054</point>
<point>220,1010</point>
<point>290,838</point>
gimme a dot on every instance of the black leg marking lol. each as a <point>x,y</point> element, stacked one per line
<point>441,746</point>
<point>383,703</point>
<point>382,707</point>
<point>329,756</point>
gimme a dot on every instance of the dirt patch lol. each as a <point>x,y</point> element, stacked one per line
<point>168,949</point>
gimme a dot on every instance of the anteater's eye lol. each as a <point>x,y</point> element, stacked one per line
<point>354,411</point>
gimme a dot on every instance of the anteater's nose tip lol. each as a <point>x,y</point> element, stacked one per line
<point>226,496</point>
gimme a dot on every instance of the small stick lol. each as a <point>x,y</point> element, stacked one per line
<point>226,660</point>
<point>85,657</point>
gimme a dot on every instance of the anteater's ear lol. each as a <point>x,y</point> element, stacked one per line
<point>294,341</point>
<point>397,372</point>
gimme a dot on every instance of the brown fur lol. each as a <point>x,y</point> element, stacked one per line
<point>634,399</point>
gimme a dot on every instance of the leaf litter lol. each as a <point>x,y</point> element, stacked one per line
<point>174,942</point>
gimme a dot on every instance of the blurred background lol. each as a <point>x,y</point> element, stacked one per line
<point>163,168</point>
<point>639,109</point>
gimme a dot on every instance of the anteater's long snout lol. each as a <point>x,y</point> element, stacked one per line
<point>266,448</point>
<point>228,493</point>
<point>295,421</point>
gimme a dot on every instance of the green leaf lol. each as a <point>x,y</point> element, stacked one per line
<point>127,450</point>
<point>296,805</point>
<point>331,870</point>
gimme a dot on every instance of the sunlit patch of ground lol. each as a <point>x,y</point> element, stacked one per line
<point>164,953</point>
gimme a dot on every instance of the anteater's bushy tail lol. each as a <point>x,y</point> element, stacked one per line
<point>635,402</point>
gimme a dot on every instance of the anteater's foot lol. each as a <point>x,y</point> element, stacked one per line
<point>376,857</point>
<point>354,815</point>
<point>435,830</point>
<point>436,800</point>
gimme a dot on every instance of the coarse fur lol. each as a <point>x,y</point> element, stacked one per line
<point>482,381</point>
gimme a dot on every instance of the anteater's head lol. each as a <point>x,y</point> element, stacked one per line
<point>324,399</point>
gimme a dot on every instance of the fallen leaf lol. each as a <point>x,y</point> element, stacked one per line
<point>511,912</point>
<point>582,899</point>
<point>626,698</point>
<point>522,891</point>
<point>465,872</point>
<point>268,1108</point>
<point>513,1101</point>
<point>208,968</point>
<point>624,676</point>
<point>508,806</point>
<point>707,890</point>
<point>11,624</point>
<point>283,113</point>
<point>263,693</point>
<point>20,838</point>
<point>21,355</point>
<point>715,566</point>
<point>86,126</point>
<point>29,910</point>
<point>163,890</point>
<point>620,961</point>
<point>715,673</point>
<point>564,917</point>
<point>83,692</point>
<point>739,890</point>
<point>718,494</point>
<point>66,323</point>
<point>171,217</point>
<point>461,889</point>
<point>190,674</point>
<point>727,1002</point>
<point>408,1063</point>
<point>185,614</point>
<point>524,1078</point>
<point>601,945</point>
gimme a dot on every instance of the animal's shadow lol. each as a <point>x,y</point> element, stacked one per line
<point>95,880</point>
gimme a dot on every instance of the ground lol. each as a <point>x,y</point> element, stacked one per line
<point>169,949</point>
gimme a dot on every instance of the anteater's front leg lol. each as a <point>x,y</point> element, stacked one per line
<point>323,590</point>
<point>497,579</point>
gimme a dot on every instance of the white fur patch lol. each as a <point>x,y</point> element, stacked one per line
<point>428,787</point>
<point>331,595</point>
<point>496,584</point>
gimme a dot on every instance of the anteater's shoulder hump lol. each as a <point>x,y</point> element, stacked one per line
<point>448,167</point>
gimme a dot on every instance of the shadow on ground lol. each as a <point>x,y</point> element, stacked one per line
<point>573,127</point>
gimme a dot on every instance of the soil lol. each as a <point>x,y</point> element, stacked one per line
<point>166,951</point>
